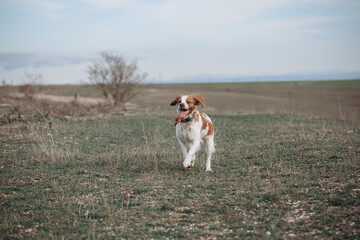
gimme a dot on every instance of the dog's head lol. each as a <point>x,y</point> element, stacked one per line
<point>186,104</point>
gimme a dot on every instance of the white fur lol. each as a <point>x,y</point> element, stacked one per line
<point>190,136</point>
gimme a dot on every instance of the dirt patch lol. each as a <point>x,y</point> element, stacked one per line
<point>65,99</point>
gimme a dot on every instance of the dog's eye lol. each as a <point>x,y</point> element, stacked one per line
<point>188,101</point>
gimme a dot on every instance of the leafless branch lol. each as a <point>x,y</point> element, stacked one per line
<point>115,77</point>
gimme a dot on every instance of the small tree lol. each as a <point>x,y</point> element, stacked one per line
<point>115,77</point>
<point>33,84</point>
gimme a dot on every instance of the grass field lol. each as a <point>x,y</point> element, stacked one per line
<point>105,176</point>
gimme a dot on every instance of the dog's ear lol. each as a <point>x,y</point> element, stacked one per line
<point>175,101</point>
<point>198,99</point>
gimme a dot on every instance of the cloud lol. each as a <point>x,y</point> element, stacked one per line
<point>234,23</point>
<point>11,61</point>
<point>109,4</point>
<point>185,37</point>
<point>227,22</point>
<point>350,3</point>
<point>50,9</point>
<point>46,5</point>
<point>198,17</point>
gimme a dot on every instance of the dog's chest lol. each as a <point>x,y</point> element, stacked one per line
<point>187,132</point>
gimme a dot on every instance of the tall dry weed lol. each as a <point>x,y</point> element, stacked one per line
<point>152,152</point>
<point>44,148</point>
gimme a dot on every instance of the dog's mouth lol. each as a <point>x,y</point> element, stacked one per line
<point>182,114</point>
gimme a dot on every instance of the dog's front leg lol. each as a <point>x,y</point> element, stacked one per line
<point>183,148</point>
<point>192,150</point>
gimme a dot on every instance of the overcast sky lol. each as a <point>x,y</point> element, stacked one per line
<point>175,39</point>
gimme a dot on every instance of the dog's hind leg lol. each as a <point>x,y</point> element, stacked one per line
<point>209,149</point>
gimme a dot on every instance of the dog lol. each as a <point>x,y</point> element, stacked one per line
<point>192,128</point>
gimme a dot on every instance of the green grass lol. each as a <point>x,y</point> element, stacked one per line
<point>274,176</point>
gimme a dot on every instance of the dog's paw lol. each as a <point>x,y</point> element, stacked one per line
<point>208,170</point>
<point>187,165</point>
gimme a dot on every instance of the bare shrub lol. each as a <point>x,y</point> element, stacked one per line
<point>116,78</point>
<point>32,85</point>
<point>13,115</point>
<point>6,89</point>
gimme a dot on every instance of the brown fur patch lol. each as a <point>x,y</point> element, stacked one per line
<point>196,117</point>
<point>205,123</point>
<point>175,101</point>
<point>211,129</point>
<point>191,103</point>
<point>198,99</point>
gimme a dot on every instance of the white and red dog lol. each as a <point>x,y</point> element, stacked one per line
<point>192,128</point>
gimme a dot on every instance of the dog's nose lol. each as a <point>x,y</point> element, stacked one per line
<point>182,105</point>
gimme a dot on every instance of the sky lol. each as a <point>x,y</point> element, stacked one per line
<point>179,39</point>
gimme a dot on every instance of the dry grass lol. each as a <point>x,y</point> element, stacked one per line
<point>104,176</point>
<point>44,148</point>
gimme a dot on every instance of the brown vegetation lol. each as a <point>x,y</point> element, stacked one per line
<point>24,107</point>
<point>116,78</point>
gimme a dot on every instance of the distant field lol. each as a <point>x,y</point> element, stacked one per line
<point>312,98</point>
<point>104,175</point>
